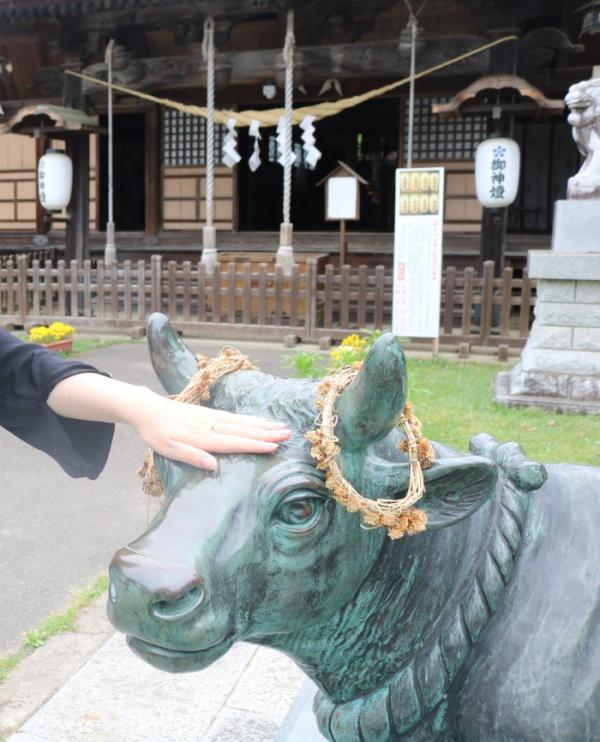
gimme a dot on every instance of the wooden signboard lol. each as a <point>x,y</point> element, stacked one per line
<point>418,252</point>
<point>342,199</point>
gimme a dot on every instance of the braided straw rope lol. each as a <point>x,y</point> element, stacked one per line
<point>399,517</point>
<point>319,110</point>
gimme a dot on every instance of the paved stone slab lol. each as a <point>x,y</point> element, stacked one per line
<point>233,725</point>
<point>268,685</point>
<point>117,697</point>
<point>39,676</point>
<point>300,724</point>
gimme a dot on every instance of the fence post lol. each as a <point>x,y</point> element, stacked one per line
<point>156,279</point>
<point>74,300</point>
<point>379,296</point>
<point>87,288</point>
<point>467,312</point>
<point>487,296</point>
<point>310,322</point>
<point>449,285</point>
<point>507,277</point>
<point>23,300</point>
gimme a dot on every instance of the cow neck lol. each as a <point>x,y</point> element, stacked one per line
<point>397,647</point>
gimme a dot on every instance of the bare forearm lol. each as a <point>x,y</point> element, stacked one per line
<point>99,398</point>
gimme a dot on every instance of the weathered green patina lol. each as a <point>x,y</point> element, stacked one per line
<point>485,627</point>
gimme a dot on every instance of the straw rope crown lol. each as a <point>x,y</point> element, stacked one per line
<point>399,517</point>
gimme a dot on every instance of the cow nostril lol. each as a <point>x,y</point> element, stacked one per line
<point>174,609</point>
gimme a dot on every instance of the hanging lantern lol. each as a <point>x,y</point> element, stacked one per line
<point>55,180</point>
<point>497,170</point>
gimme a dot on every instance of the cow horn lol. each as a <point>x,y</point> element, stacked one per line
<point>174,363</point>
<point>367,409</point>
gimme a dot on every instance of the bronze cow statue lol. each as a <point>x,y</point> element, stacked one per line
<point>483,627</point>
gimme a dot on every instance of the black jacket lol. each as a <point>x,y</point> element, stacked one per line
<point>28,373</point>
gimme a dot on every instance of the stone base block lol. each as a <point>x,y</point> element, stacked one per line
<point>576,226</point>
<point>550,402</point>
<point>574,266</point>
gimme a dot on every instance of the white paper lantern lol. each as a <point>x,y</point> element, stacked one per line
<point>497,169</point>
<point>55,180</point>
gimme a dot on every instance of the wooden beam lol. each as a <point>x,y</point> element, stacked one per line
<point>41,223</point>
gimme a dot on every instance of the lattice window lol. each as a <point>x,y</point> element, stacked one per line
<point>442,139</point>
<point>184,139</point>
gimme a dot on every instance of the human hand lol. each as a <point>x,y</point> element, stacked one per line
<point>180,431</point>
<point>191,433</point>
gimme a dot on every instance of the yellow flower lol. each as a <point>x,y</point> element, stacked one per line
<point>56,331</point>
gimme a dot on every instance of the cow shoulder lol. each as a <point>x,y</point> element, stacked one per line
<point>533,675</point>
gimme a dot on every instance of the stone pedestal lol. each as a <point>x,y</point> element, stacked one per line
<point>576,226</point>
<point>560,364</point>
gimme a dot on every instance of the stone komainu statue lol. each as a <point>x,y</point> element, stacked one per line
<point>584,101</point>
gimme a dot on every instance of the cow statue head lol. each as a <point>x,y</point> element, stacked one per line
<point>258,551</point>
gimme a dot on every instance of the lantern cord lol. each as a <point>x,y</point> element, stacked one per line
<point>288,58</point>
<point>272,116</point>
<point>208,51</point>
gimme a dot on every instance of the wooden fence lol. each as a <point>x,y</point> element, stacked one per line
<point>241,300</point>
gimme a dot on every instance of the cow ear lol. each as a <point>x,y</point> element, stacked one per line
<point>455,487</point>
<point>174,363</point>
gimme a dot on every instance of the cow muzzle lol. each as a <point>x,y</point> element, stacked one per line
<point>172,592</point>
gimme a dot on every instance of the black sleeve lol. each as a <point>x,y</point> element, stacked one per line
<point>28,373</point>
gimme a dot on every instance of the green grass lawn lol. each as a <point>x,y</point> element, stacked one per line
<point>454,401</point>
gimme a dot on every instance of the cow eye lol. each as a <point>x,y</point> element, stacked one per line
<point>300,513</point>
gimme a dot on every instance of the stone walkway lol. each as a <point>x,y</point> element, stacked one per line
<point>116,697</point>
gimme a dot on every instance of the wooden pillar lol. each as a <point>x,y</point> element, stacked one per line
<point>41,221</point>
<point>493,232</point>
<point>152,172</point>
<point>502,60</point>
<point>78,212</point>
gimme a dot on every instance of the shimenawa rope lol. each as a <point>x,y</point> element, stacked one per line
<point>319,111</point>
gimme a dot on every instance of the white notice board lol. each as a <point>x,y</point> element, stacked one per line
<point>418,252</point>
<point>342,198</point>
